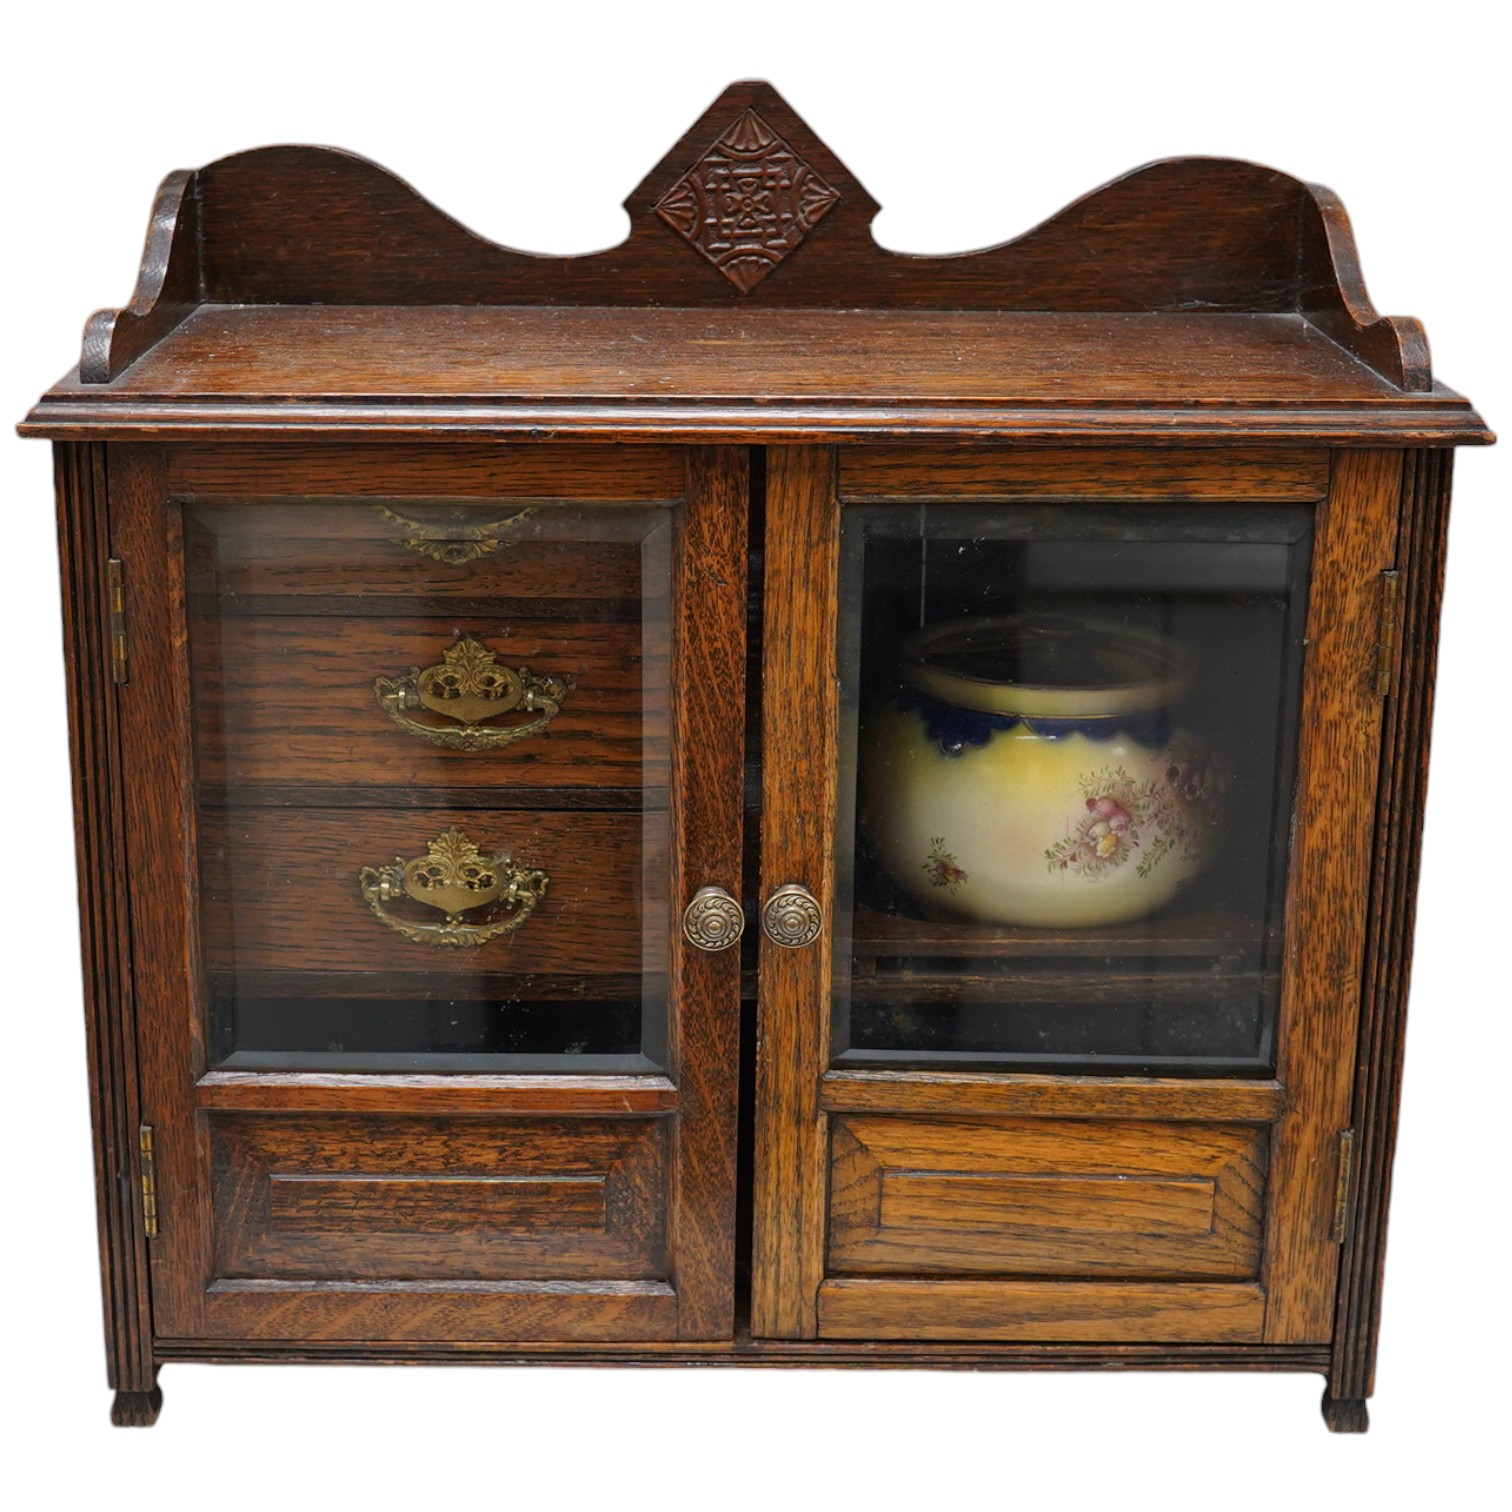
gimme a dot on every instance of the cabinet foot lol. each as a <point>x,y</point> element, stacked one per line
<point>136,1409</point>
<point>1345,1414</point>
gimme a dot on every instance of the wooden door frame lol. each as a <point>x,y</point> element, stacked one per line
<point>1355,495</point>
<point>697,1095</point>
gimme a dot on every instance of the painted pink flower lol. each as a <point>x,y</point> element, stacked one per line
<point>1110,812</point>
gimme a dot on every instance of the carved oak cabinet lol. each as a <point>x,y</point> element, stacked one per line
<point>748,798</point>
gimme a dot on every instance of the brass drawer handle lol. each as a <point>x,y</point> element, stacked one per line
<point>468,686</point>
<point>450,533</point>
<point>454,877</point>
<point>713,920</point>
<point>792,917</point>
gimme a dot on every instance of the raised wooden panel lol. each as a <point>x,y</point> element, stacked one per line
<point>1045,1312</point>
<point>287,703</point>
<point>323,1197</point>
<point>1029,472</point>
<point>281,890</point>
<point>1046,1197</point>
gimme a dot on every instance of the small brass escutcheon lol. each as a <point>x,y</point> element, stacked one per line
<point>792,916</point>
<point>469,687</point>
<point>713,920</point>
<point>456,878</point>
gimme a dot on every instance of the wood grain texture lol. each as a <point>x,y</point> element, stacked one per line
<point>352,558</point>
<point>382,468</point>
<point>1015,1094</point>
<point>857,1307</point>
<point>303,1198</point>
<point>759,374</point>
<point>693,1210</point>
<point>1327,889</point>
<point>1388,953</point>
<point>109,1007</point>
<point>287,701</point>
<point>159,830</point>
<point>707,795</point>
<point>1441,418</point>
<point>779,1354</point>
<point>449,1092</point>
<point>301,225</point>
<point>492,1312</point>
<point>1045,1198</point>
<point>799,738</point>
<point>879,473</point>
<point>281,891</point>
<point>167,290</point>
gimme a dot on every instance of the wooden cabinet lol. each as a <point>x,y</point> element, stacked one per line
<point>747,795</point>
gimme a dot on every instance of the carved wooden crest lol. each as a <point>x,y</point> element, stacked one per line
<point>748,202</point>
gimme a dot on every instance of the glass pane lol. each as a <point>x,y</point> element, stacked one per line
<point>431,747</point>
<point>1068,748</point>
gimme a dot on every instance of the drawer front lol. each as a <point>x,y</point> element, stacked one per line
<point>1046,1197</point>
<point>436,1199</point>
<point>294,702</point>
<point>538,556</point>
<point>304,890</point>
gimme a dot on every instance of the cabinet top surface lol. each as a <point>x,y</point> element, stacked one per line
<point>303,290</point>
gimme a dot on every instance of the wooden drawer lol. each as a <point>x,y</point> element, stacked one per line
<point>283,890</point>
<point>346,1197</point>
<point>365,555</point>
<point>303,701</point>
<point>1046,1197</point>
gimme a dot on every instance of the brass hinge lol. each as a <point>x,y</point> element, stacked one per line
<point>1386,632</point>
<point>1344,1187</point>
<point>149,1181</point>
<point>115,589</point>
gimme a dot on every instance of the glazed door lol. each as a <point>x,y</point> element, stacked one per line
<point>1067,818</point>
<point>434,744</point>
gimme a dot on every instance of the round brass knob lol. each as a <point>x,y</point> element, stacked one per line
<point>792,916</point>
<point>713,920</point>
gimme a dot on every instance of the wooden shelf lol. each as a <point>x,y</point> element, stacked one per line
<point>1211,933</point>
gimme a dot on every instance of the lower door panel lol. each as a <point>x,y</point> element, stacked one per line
<point>958,1229</point>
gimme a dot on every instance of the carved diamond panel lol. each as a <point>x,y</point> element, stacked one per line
<point>748,202</point>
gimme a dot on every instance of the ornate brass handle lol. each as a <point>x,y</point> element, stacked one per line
<point>792,916</point>
<point>454,877</point>
<point>713,920</point>
<point>468,686</point>
<point>450,533</point>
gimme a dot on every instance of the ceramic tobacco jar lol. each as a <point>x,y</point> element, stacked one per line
<point>1031,771</point>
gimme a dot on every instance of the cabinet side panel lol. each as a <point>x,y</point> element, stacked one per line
<point>1326,908</point>
<point>800,734</point>
<point>1388,960</point>
<point>83,547</point>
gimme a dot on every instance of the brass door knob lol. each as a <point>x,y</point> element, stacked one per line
<point>713,920</point>
<point>792,916</point>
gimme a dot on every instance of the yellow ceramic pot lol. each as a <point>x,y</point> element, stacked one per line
<point>1029,773</point>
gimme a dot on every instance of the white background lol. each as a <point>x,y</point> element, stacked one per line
<point>969,124</point>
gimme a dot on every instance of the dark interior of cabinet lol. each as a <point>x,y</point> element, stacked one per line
<point>1195,988</point>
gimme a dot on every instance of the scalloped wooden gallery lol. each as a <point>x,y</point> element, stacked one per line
<point>420,599</point>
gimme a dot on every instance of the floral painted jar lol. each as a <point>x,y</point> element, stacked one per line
<point>1030,772</point>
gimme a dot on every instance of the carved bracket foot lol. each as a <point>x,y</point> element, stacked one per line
<point>136,1409</point>
<point>1345,1414</point>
